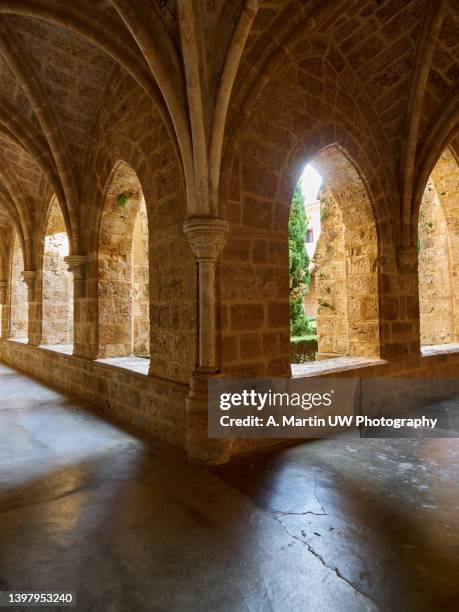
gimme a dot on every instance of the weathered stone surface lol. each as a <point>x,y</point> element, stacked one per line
<point>105,125</point>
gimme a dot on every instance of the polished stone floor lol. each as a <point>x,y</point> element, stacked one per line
<point>127,523</point>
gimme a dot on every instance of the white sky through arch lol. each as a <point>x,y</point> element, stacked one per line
<point>310,183</point>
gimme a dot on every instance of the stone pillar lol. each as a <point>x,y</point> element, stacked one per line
<point>34,311</point>
<point>207,236</point>
<point>81,331</point>
<point>3,291</point>
<point>3,309</point>
<point>405,328</point>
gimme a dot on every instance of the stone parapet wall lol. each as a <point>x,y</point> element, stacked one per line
<point>434,362</point>
<point>157,405</point>
<point>150,403</point>
<point>18,306</point>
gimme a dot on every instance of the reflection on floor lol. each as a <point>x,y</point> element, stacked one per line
<point>126,522</point>
<point>383,514</point>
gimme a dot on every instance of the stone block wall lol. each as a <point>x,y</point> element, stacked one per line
<point>56,283</point>
<point>136,154</point>
<point>435,362</point>
<point>438,246</point>
<point>140,285</point>
<point>213,144</point>
<point>157,406</point>
<point>18,300</point>
<point>436,300</point>
<point>123,267</point>
<point>331,282</point>
<point>147,402</point>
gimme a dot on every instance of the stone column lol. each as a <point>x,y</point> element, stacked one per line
<point>81,331</point>
<point>34,311</point>
<point>3,291</point>
<point>405,329</point>
<point>3,320</point>
<point>207,236</point>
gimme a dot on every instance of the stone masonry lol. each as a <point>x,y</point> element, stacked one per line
<point>162,141</point>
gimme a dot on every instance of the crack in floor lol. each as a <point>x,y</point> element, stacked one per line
<point>332,568</point>
<point>318,501</point>
<point>276,514</point>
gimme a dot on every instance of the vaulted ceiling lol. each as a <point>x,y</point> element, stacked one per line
<point>57,58</point>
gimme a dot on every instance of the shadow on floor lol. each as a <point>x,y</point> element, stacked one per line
<point>123,520</point>
<point>383,513</point>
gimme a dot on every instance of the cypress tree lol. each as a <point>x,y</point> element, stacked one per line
<point>298,264</point>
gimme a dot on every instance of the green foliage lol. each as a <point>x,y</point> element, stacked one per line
<point>298,264</point>
<point>303,349</point>
<point>122,199</point>
<point>424,228</point>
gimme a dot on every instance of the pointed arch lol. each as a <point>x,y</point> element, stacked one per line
<point>18,302</point>
<point>10,48</point>
<point>347,274</point>
<point>56,286</point>
<point>438,248</point>
<point>437,135</point>
<point>123,265</point>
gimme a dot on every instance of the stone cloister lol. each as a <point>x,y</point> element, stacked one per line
<point>164,143</point>
<point>56,283</point>
<point>149,155</point>
<point>345,281</point>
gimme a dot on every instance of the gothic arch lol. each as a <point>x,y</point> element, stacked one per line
<point>123,267</point>
<point>438,253</point>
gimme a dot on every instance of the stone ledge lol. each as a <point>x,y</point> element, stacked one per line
<point>64,349</point>
<point>131,363</point>
<point>424,363</point>
<point>440,349</point>
<point>338,364</point>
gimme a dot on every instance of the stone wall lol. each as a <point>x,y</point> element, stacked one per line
<point>435,362</point>
<point>57,283</point>
<point>131,134</point>
<point>435,275</point>
<point>140,285</point>
<point>123,268</point>
<point>330,281</point>
<point>438,244</point>
<point>363,91</point>
<point>348,265</point>
<point>150,403</point>
<point>157,406</point>
<point>311,303</point>
<point>18,312</point>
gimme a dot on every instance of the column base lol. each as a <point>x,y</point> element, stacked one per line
<point>199,446</point>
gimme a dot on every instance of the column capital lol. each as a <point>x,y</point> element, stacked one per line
<point>75,261</point>
<point>76,265</point>
<point>29,277</point>
<point>207,236</point>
